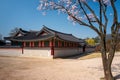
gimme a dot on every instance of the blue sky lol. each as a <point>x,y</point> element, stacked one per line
<point>24,14</point>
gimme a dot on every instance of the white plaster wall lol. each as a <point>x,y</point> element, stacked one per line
<point>63,52</point>
<point>37,52</point>
<point>42,52</point>
<point>28,52</point>
<point>10,52</point>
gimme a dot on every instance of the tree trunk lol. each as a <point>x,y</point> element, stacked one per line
<point>107,60</point>
<point>109,73</point>
<point>107,68</point>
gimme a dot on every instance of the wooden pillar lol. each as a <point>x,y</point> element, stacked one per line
<point>50,43</point>
<point>30,44</point>
<point>22,47</point>
<point>16,43</point>
<point>77,44</point>
<point>73,45</point>
<point>54,43</point>
<point>52,47</point>
<point>64,43</point>
<point>59,43</point>
<point>40,44</point>
<point>22,50</point>
<point>69,44</point>
<point>24,44</point>
<point>84,48</point>
<point>33,44</point>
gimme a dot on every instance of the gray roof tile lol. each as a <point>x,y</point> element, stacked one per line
<point>35,35</point>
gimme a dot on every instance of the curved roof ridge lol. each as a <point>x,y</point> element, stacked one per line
<point>24,31</point>
<point>55,30</point>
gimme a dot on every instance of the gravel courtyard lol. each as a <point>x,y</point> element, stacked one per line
<point>14,68</point>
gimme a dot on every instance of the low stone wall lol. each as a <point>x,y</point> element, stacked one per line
<point>63,52</point>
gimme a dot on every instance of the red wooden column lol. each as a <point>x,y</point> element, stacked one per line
<point>22,50</point>
<point>33,44</point>
<point>64,44</point>
<point>73,44</point>
<point>59,44</point>
<point>69,44</point>
<point>51,44</point>
<point>24,44</point>
<point>23,47</point>
<point>30,44</point>
<point>76,45</point>
<point>40,44</point>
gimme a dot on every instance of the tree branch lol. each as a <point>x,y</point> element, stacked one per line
<point>91,25</point>
<point>115,18</point>
<point>89,8</point>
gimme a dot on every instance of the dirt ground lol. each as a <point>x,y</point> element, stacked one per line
<point>15,68</point>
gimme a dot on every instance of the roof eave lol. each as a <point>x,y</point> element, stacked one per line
<point>32,39</point>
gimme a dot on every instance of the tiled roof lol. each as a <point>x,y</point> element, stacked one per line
<point>32,37</point>
<point>36,35</point>
<point>20,31</point>
<point>64,36</point>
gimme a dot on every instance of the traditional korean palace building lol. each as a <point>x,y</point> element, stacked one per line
<point>46,43</point>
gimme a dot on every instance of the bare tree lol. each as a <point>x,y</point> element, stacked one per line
<point>14,31</point>
<point>81,12</point>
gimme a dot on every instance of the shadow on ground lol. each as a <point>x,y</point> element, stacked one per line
<point>117,76</point>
